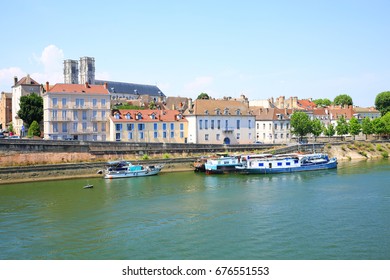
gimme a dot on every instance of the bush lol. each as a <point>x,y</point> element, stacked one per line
<point>379,148</point>
<point>166,156</point>
<point>145,157</point>
<point>385,154</point>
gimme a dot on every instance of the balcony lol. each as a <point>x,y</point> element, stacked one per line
<point>228,129</point>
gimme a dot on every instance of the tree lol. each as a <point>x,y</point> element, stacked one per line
<point>34,129</point>
<point>203,95</point>
<point>379,126</point>
<point>382,102</point>
<point>367,127</point>
<point>322,102</point>
<point>329,130</point>
<point>343,99</point>
<point>342,126</point>
<point>316,128</point>
<point>300,124</point>
<point>31,108</point>
<point>354,127</point>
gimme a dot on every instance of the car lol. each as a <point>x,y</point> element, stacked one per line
<point>13,137</point>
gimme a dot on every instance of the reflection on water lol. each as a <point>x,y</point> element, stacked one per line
<point>330,214</point>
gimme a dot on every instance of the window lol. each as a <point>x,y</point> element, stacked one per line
<point>238,136</point>
<point>276,136</point>
<point>64,102</point>
<point>172,126</point>
<point>141,126</point>
<point>212,124</point>
<point>64,127</point>
<point>84,115</point>
<point>288,163</point>
<point>118,136</point>
<point>263,125</point>
<point>181,126</point>
<point>103,127</point>
<point>63,115</point>
<point>130,126</point>
<point>281,135</point>
<point>94,137</point>
<point>218,124</point>
<point>155,126</point>
<point>55,127</point>
<point>206,137</point>
<point>103,101</point>
<point>206,124</point>
<point>155,134</point>
<point>94,102</point>
<point>55,102</point>
<point>200,124</point>
<point>181,134</point>
<point>249,124</point>
<point>276,126</point>
<point>84,126</point>
<point>238,124</point>
<point>218,137</point>
<point>75,116</point>
<point>261,164</point>
<point>141,135</point>
<point>164,134</point>
<point>118,127</point>
<point>238,112</point>
<point>128,116</point>
<point>270,126</point>
<point>94,114</point>
<point>103,115</point>
<point>226,124</point>
<point>130,135</point>
<point>164,126</point>
<point>257,126</point>
<point>281,126</point>
<point>54,115</point>
<point>94,127</point>
<point>172,134</point>
<point>75,127</point>
<point>250,136</point>
<point>287,125</point>
<point>279,164</point>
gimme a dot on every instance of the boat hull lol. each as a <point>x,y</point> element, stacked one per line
<point>313,167</point>
<point>130,174</point>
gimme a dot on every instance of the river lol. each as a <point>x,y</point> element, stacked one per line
<point>318,215</point>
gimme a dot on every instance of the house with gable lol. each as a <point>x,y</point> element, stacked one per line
<point>151,126</point>
<point>220,121</point>
<point>76,112</point>
<point>272,125</point>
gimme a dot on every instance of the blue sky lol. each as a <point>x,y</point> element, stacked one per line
<point>261,49</point>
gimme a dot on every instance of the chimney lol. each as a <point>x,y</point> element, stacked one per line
<point>47,86</point>
<point>15,80</point>
<point>105,85</point>
<point>86,85</point>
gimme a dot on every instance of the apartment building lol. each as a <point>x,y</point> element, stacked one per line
<point>5,109</point>
<point>76,112</point>
<point>151,126</point>
<point>220,121</point>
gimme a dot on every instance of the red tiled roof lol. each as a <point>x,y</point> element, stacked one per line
<point>27,81</point>
<point>160,115</point>
<point>306,104</point>
<point>79,89</point>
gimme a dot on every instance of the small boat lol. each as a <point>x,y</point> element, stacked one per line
<point>89,186</point>
<point>269,164</point>
<point>222,164</point>
<point>199,165</point>
<point>125,169</point>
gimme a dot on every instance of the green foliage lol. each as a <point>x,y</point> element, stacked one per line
<point>379,148</point>
<point>343,99</point>
<point>31,108</point>
<point>385,154</point>
<point>329,130</point>
<point>379,126</point>
<point>11,128</point>
<point>34,129</point>
<point>367,127</point>
<point>145,157</point>
<point>203,95</point>
<point>128,107</point>
<point>152,105</point>
<point>166,156</point>
<point>382,102</point>
<point>322,102</point>
<point>300,124</point>
<point>342,126</point>
<point>317,127</point>
<point>354,127</point>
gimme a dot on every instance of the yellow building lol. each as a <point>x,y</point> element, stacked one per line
<point>76,112</point>
<point>151,126</point>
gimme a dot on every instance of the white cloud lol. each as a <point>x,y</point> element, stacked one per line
<point>7,77</point>
<point>51,59</point>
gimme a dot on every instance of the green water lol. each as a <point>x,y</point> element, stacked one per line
<point>333,214</point>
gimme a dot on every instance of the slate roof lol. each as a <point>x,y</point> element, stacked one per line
<point>269,114</point>
<point>130,88</point>
<point>27,81</point>
<point>210,106</point>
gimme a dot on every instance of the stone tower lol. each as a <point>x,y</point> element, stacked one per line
<point>87,70</point>
<point>71,71</point>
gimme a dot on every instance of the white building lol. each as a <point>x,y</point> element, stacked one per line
<point>23,87</point>
<point>220,122</point>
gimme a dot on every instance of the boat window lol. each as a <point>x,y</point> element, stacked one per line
<point>261,164</point>
<point>288,163</point>
<point>279,164</point>
<point>295,161</point>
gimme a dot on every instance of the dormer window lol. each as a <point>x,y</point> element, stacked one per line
<point>138,116</point>
<point>217,111</point>
<point>206,112</point>
<point>128,116</point>
<point>153,116</point>
<point>226,111</point>
<point>238,112</point>
<point>117,116</point>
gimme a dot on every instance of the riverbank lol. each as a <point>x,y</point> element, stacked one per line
<point>350,151</point>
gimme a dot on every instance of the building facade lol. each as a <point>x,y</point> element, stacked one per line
<point>76,112</point>
<point>5,109</point>
<point>151,126</point>
<point>23,87</point>
<point>220,122</point>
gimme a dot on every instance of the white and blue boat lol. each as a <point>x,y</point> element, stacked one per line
<point>125,169</point>
<point>222,164</point>
<point>269,164</point>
